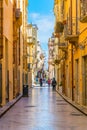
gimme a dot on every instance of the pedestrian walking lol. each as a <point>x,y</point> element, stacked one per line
<point>41,82</point>
<point>54,83</point>
<point>49,82</point>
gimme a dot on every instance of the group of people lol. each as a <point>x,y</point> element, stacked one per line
<point>50,82</point>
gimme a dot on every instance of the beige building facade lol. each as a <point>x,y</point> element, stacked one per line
<point>51,65</point>
<point>31,52</point>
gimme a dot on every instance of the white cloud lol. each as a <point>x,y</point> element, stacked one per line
<point>34,15</point>
<point>45,25</point>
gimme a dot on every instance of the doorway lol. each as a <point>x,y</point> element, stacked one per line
<point>77,80</point>
<point>84,80</point>
<point>0,83</point>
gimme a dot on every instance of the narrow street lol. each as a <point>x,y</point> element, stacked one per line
<point>44,109</point>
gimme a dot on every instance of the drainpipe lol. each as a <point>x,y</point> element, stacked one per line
<point>72,72</point>
<point>72,53</point>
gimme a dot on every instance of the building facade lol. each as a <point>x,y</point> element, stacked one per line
<point>6,58</point>
<point>72,45</point>
<point>40,59</point>
<point>51,54</point>
<point>11,49</point>
<point>31,51</point>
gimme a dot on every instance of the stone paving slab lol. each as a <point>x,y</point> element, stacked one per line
<point>5,108</point>
<point>82,109</point>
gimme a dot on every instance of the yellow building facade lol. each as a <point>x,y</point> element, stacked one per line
<point>6,56</point>
<point>11,49</point>
<point>23,6</point>
<point>73,64</point>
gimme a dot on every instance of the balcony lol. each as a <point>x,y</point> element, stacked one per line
<point>62,46</point>
<point>57,61</point>
<point>71,38</point>
<point>50,61</point>
<point>60,58</point>
<point>50,44</point>
<point>83,14</point>
<point>71,33</point>
<point>59,27</point>
<point>30,40</point>
<point>18,15</point>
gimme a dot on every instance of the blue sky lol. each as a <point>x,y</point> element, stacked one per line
<point>40,12</point>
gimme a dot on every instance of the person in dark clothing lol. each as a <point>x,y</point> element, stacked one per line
<point>54,83</point>
<point>41,82</point>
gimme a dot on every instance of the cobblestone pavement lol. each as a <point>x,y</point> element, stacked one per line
<point>44,109</point>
